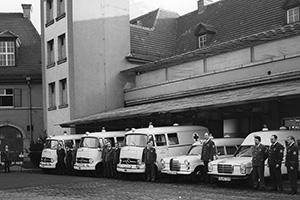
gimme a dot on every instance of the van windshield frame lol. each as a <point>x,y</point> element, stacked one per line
<point>244,151</point>
<point>52,144</point>
<point>142,143</point>
<point>85,145</point>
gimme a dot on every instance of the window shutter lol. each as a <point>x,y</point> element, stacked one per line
<point>18,97</point>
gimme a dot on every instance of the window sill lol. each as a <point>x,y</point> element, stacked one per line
<point>49,23</point>
<point>62,60</point>
<point>63,106</point>
<point>51,65</point>
<point>61,16</point>
<point>52,108</point>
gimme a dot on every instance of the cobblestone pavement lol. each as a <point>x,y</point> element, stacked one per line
<point>40,186</point>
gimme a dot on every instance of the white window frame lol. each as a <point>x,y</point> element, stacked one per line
<point>52,95</point>
<point>293,15</point>
<point>7,95</point>
<point>62,47</point>
<point>63,92</point>
<point>7,54</point>
<point>202,39</point>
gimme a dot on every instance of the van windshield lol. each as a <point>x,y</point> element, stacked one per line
<point>139,140</point>
<point>51,144</point>
<point>244,151</point>
<point>195,150</point>
<point>90,142</point>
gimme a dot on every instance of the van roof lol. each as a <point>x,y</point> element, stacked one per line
<point>65,137</point>
<point>168,129</point>
<point>265,136</point>
<point>224,141</point>
<point>106,134</point>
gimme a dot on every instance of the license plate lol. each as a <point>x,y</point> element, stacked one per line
<point>172,172</point>
<point>224,179</point>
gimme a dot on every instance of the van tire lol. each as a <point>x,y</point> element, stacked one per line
<point>196,176</point>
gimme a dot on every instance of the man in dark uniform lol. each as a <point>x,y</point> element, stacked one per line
<point>108,157</point>
<point>292,163</point>
<point>116,159</point>
<point>60,159</point>
<point>149,158</point>
<point>6,159</point>
<point>259,155</point>
<point>69,158</point>
<point>274,163</point>
<point>208,154</point>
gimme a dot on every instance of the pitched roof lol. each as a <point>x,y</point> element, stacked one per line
<point>28,62</point>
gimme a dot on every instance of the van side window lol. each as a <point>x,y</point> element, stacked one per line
<point>77,143</point>
<point>230,150</point>
<point>160,140</point>
<point>173,138</point>
<point>69,143</point>
<point>220,151</point>
<point>111,140</point>
<point>120,140</point>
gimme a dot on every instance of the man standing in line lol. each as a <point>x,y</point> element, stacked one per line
<point>108,156</point>
<point>274,163</point>
<point>292,163</point>
<point>6,159</point>
<point>116,159</point>
<point>149,158</point>
<point>259,155</point>
<point>60,159</point>
<point>208,154</point>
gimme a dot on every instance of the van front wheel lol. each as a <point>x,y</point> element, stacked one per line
<point>197,174</point>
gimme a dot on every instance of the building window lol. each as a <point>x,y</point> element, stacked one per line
<point>202,41</point>
<point>7,53</point>
<point>60,7</point>
<point>63,93</point>
<point>52,96</point>
<point>293,15</point>
<point>49,11</point>
<point>50,52</point>
<point>6,97</point>
<point>61,47</point>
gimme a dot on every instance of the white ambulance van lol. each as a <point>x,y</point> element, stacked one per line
<point>49,156</point>
<point>191,163</point>
<point>168,141</point>
<point>89,154</point>
<point>240,166</point>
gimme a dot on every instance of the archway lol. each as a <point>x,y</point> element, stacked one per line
<point>12,137</point>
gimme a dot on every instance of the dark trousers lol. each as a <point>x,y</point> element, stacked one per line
<point>150,172</point>
<point>61,167</point>
<point>6,166</point>
<point>292,174</point>
<point>258,177</point>
<point>205,172</point>
<point>115,172</point>
<point>108,169</point>
<point>275,175</point>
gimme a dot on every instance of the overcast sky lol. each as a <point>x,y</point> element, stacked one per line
<point>137,7</point>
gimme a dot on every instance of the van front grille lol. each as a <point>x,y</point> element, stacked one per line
<point>129,161</point>
<point>223,168</point>
<point>82,160</point>
<point>174,165</point>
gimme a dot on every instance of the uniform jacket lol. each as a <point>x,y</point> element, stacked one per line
<point>5,156</point>
<point>108,154</point>
<point>117,155</point>
<point>61,155</point>
<point>208,150</point>
<point>275,154</point>
<point>149,155</point>
<point>259,155</point>
<point>292,159</point>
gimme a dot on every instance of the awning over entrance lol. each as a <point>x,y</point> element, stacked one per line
<point>218,99</point>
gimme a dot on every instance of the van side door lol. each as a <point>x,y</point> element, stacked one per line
<point>161,146</point>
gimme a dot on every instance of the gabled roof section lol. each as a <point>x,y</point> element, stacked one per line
<point>8,34</point>
<point>202,28</point>
<point>291,3</point>
<point>146,20</point>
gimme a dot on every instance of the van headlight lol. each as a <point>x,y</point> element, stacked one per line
<point>210,167</point>
<point>91,160</point>
<point>243,169</point>
<point>163,163</point>
<point>186,163</point>
<point>139,161</point>
<point>52,160</point>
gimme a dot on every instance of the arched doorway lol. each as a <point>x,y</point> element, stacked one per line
<point>12,137</point>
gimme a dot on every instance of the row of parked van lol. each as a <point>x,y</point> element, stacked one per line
<point>178,151</point>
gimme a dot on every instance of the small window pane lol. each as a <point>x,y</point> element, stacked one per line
<point>230,150</point>
<point>173,138</point>
<point>160,140</point>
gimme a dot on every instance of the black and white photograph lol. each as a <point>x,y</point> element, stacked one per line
<point>149,99</point>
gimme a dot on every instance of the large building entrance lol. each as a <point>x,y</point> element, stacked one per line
<point>12,137</point>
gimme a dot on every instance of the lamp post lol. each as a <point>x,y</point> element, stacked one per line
<point>28,81</point>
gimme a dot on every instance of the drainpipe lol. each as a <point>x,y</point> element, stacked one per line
<point>28,81</point>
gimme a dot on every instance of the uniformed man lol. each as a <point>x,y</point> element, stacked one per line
<point>60,159</point>
<point>149,158</point>
<point>292,163</point>
<point>107,158</point>
<point>274,163</point>
<point>6,158</point>
<point>208,154</point>
<point>116,159</point>
<point>259,155</point>
<point>69,158</point>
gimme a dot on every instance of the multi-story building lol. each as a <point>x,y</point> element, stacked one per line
<point>234,67</point>
<point>84,44</point>
<point>21,114</point>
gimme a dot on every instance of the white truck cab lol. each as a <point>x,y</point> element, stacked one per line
<point>191,163</point>
<point>240,166</point>
<point>168,141</point>
<point>49,156</point>
<point>89,154</point>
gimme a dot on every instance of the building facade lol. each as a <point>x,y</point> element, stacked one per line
<point>234,69</point>
<point>84,45</point>
<point>21,114</point>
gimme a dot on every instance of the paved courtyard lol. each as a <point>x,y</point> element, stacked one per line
<point>33,186</point>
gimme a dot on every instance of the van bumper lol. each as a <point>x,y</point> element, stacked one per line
<point>176,172</point>
<point>228,177</point>
<point>131,168</point>
<point>46,165</point>
<point>84,167</point>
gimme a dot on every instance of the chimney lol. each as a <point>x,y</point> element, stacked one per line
<point>26,10</point>
<point>201,6</point>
